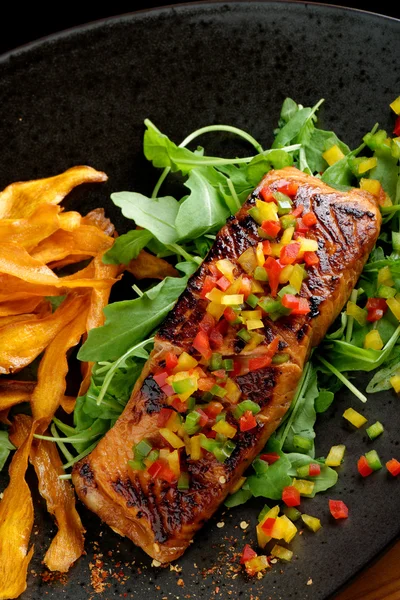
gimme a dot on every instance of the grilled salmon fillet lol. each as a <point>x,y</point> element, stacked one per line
<point>151,510</point>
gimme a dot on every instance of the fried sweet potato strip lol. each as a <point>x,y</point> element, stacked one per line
<point>22,342</point>
<point>14,392</point>
<point>51,385</point>
<point>29,232</point>
<point>22,198</point>
<point>68,544</point>
<point>16,261</point>
<point>148,266</point>
<point>16,521</point>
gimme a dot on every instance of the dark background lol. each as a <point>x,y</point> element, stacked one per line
<point>23,25</point>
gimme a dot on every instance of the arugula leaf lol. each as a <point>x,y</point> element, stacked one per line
<point>320,141</point>
<point>203,210</point>
<point>292,128</point>
<point>239,497</point>
<point>386,171</point>
<point>324,400</point>
<point>5,448</point>
<point>270,483</point>
<point>156,215</point>
<point>262,163</point>
<point>339,175</point>
<point>327,478</point>
<point>130,321</point>
<point>381,379</point>
<point>127,246</point>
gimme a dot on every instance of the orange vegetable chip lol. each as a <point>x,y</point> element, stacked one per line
<point>16,521</point>
<point>147,265</point>
<point>28,232</point>
<point>14,392</point>
<point>22,198</point>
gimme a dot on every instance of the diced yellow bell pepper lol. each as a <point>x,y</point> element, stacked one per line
<point>387,201</point>
<point>257,564</point>
<point>332,155</point>
<point>174,463</point>
<point>268,210</point>
<point>296,278</point>
<point>395,383</point>
<point>395,105</point>
<point>354,417</point>
<point>172,438</point>
<point>256,339</point>
<point>373,340</point>
<point>173,422</point>
<point>251,314</point>
<point>215,310</point>
<point>385,276</point>
<point>260,254</point>
<point>225,267</point>
<point>307,245</point>
<point>287,236</point>
<point>233,391</point>
<point>279,529</point>
<point>276,248</point>
<point>372,186</point>
<point>286,273</point>
<point>394,305</point>
<point>358,313</point>
<point>262,537</point>
<point>256,287</point>
<point>215,295</point>
<point>311,522</point>
<point>232,299</point>
<point>248,261</point>
<point>195,447</point>
<point>367,164</point>
<point>254,324</point>
<point>225,428</point>
<point>185,363</point>
<point>164,453</point>
<point>290,529</point>
<point>304,486</point>
<point>335,456</point>
<point>282,553</point>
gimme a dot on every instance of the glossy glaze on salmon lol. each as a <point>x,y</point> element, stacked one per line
<point>155,514</point>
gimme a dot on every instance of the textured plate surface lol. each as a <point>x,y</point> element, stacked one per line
<point>81,97</point>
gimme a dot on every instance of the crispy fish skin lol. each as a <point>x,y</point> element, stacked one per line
<point>158,517</point>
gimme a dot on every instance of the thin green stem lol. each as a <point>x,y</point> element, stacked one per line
<point>343,379</point>
<point>67,454</point>
<point>350,319</point>
<point>177,249</point>
<point>301,389</point>
<point>65,476</point>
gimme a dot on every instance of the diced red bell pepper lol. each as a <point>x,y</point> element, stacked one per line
<point>203,417</point>
<point>303,307</point>
<point>160,378</point>
<point>207,322</point>
<point>265,360</point>
<point>291,496</point>
<point>213,409</point>
<point>296,212</point>
<point>314,470</point>
<point>268,526</point>
<point>247,554</point>
<point>311,258</point>
<point>290,301</point>
<point>168,390</point>
<point>210,281</point>
<point>376,308</point>
<point>289,253</point>
<point>289,188</point>
<point>396,129</point>
<point>245,287</point>
<point>266,247</point>
<point>273,268</point>
<point>223,283</point>
<point>309,219</point>
<point>180,406</point>
<point>220,373</point>
<point>266,194</point>
<point>205,384</point>
<point>393,466</point>
<point>201,343</point>
<point>247,421</point>
<point>270,457</point>
<point>160,470</point>
<point>171,360</point>
<point>230,314</point>
<point>363,467</point>
<point>216,339</point>
<point>338,509</point>
<point>163,416</point>
<point>301,227</point>
<point>271,228</point>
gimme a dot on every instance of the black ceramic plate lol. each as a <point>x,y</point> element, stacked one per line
<point>81,97</point>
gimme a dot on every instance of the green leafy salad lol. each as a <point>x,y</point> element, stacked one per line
<point>365,337</point>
